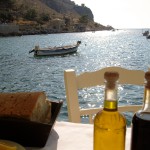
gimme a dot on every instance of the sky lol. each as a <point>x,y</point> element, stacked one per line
<point>120,13</point>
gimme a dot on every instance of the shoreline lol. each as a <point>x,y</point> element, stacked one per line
<point>43,32</point>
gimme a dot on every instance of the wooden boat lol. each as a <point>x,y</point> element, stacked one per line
<point>148,36</point>
<point>146,33</point>
<point>53,51</point>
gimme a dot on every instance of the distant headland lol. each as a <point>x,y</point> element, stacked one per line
<point>25,17</point>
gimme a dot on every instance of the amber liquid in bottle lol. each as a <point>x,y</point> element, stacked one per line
<point>140,139</point>
<point>109,124</point>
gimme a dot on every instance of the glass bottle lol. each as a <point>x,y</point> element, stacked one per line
<point>140,137</point>
<point>109,124</point>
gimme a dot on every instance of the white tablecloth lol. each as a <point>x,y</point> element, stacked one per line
<point>73,136</point>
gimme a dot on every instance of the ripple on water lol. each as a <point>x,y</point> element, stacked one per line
<point>20,71</point>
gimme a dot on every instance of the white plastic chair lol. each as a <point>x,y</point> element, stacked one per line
<point>75,82</point>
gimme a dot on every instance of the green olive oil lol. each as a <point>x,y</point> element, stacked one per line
<point>109,124</point>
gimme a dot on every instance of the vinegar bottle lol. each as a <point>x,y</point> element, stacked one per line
<point>140,138</point>
<point>109,124</point>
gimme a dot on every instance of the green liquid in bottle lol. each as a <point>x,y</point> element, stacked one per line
<point>109,131</point>
<point>109,124</point>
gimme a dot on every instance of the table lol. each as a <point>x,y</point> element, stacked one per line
<point>73,136</point>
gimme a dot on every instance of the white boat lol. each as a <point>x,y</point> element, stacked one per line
<point>53,51</point>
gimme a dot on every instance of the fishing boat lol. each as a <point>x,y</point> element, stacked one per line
<point>146,33</point>
<point>53,51</point>
<point>148,36</point>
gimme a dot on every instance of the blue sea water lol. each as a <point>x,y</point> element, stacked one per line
<point>21,71</point>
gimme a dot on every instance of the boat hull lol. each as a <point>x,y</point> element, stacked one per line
<point>46,52</point>
<point>53,51</point>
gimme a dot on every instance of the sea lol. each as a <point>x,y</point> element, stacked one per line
<point>23,72</point>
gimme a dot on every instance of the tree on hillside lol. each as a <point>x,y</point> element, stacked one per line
<point>7,4</point>
<point>6,7</point>
<point>31,14</point>
<point>5,17</point>
<point>67,21</point>
<point>83,19</point>
<point>83,5</point>
<point>44,17</point>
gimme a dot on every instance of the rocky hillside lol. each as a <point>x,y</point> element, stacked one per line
<point>69,7</point>
<point>48,16</point>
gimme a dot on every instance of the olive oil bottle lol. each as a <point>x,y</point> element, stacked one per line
<point>140,137</point>
<point>109,124</point>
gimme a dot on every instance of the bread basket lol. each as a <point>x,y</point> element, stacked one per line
<point>27,133</point>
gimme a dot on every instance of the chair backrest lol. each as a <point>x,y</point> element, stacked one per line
<point>75,82</point>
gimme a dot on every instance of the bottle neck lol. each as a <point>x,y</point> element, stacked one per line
<point>146,105</point>
<point>110,99</point>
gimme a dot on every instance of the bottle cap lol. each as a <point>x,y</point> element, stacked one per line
<point>147,76</point>
<point>111,76</point>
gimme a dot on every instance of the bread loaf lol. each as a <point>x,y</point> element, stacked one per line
<point>32,106</point>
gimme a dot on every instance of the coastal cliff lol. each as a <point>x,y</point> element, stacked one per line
<point>45,16</point>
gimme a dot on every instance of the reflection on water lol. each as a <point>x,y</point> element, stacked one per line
<point>21,71</point>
